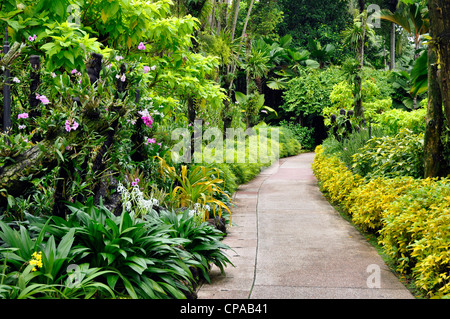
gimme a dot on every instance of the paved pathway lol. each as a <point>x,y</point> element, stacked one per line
<point>290,243</point>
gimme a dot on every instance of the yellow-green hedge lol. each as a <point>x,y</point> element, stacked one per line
<point>411,217</point>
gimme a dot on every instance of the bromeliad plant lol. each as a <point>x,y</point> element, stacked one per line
<point>197,185</point>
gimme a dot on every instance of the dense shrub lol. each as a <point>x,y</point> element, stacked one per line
<point>390,156</point>
<point>310,92</point>
<point>352,144</point>
<point>407,217</point>
<point>368,203</point>
<point>304,135</point>
<point>393,121</point>
<point>335,178</point>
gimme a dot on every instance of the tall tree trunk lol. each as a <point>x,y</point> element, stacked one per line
<point>243,35</point>
<point>359,113</point>
<point>393,7</point>
<point>235,17</point>
<point>392,64</point>
<point>438,86</point>
<point>235,6</point>
<point>439,12</point>
<point>433,148</point>
<point>248,17</point>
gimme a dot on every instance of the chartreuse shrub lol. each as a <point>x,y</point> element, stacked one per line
<point>334,177</point>
<point>367,203</point>
<point>411,217</point>
<point>432,252</point>
<point>407,216</point>
<point>243,161</point>
<point>395,120</point>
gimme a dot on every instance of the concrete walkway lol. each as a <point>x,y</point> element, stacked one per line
<point>290,243</point>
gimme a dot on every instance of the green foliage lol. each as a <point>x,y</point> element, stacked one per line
<point>289,145</point>
<point>321,54</point>
<point>111,255</point>
<point>395,120</point>
<point>322,20</point>
<point>373,109</point>
<point>345,148</point>
<point>69,46</point>
<point>265,19</point>
<point>198,185</point>
<point>310,92</point>
<point>401,155</point>
<point>202,241</point>
<point>304,135</point>
<point>342,97</point>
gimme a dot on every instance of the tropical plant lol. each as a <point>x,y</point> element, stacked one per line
<point>412,17</point>
<point>309,93</point>
<point>401,155</point>
<point>252,105</point>
<point>69,46</point>
<point>321,54</point>
<point>198,185</point>
<point>356,35</point>
<point>203,239</point>
<point>35,267</point>
<point>305,135</point>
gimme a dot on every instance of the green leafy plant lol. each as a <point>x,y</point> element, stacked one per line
<point>309,93</point>
<point>198,185</point>
<point>401,155</point>
<point>305,135</point>
<point>252,106</point>
<point>69,46</point>
<point>204,240</point>
<point>143,260</point>
<point>395,120</point>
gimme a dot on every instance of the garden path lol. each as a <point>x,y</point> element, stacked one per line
<point>289,243</point>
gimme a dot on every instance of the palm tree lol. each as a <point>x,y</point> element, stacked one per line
<point>356,36</point>
<point>413,18</point>
<point>393,8</point>
<point>256,65</point>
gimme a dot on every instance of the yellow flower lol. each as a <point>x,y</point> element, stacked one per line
<point>36,261</point>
